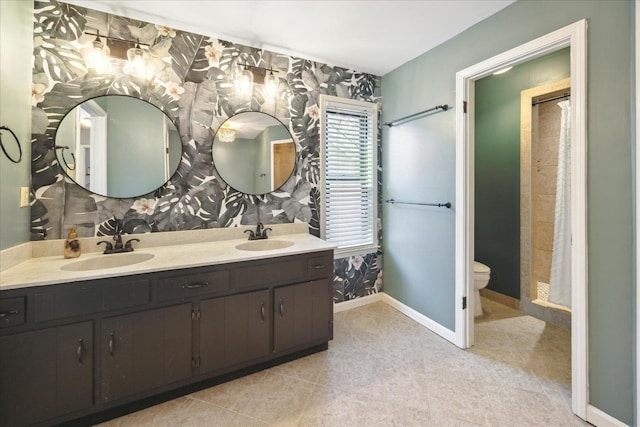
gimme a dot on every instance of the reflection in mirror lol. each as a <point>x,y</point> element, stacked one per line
<point>118,146</point>
<point>254,152</point>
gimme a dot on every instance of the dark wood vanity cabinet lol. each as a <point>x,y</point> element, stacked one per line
<point>234,330</point>
<point>71,351</point>
<point>301,314</point>
<point>145,350</point>
<point>45,373</point>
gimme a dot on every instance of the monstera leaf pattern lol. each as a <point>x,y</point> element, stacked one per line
<point>357,276</point>
<point>189,69</point>
<point>66,20</point>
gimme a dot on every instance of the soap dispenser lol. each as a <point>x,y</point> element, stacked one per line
<point>72,244</point>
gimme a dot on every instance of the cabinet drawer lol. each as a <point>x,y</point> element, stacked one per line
<point>130,293</point>
<point>274,271</point>
<point>90,297</point>
<point>11,312</point>
<point>66,301</point>
<point>189,285</point>
<point>320,266</point>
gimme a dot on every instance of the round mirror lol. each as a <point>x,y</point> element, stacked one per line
<point>254,152</point>
<point>118,146</point>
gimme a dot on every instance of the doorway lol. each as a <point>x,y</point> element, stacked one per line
<point>91,147</point>
<point>282,160</point>
<point>574,37</point>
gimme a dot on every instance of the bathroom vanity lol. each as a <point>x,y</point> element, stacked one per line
<point>106,340</point>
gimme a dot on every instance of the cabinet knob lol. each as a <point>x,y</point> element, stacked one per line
<point>281,308</point>
<point>261,312</point>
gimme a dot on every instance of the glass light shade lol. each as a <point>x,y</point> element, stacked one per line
<point>226,134</point>
<point>98,57</point>
<point>138,60</point>
<point>270,85</point>
<point>245,83</point>
<point>236,72</point>
<point>226,80</point>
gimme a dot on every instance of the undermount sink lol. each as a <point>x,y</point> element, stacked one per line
<point>108,261</point>
<point>264,245</point>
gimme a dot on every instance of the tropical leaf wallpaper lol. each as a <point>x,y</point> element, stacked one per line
<point>188,72</point>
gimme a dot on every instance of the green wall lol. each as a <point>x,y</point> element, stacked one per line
<point>236,162</point>
<point>497,165</point>
<point>134,150</point>
<point>429,80</point>
<point>16,46</point>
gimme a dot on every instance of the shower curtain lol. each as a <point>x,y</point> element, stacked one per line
<point>560,282</point>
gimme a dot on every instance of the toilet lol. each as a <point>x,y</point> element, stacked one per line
<point>481,276</point>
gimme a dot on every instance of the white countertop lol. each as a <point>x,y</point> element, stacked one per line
<point>47,270</point>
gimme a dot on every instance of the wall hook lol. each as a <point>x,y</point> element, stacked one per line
<point>64,160</point>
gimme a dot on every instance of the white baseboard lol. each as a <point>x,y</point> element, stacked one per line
<point>358,302</point>
<point>402,308</point>
<point>601,419</point>
<point>445,333</point>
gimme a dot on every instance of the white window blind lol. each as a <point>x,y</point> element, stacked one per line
<point>349,165</point>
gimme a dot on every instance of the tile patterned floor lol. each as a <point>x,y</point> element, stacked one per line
<point>383,369</point>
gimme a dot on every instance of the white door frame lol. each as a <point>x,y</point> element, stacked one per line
<point>637,213</point>
<point>98,148</point>
<point>273,159</point>
<point>573,36</point>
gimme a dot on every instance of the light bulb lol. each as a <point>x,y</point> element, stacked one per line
<point>245,83</point>
<point>226,80</point>
<point>270,85</point>
<point>98,56</point>
<point>138,59</point>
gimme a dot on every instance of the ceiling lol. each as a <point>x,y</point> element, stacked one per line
<point>249,124</point>
<point>369,36</point>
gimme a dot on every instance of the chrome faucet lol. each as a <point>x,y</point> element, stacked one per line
<point>260,233</point>
<point>117,246</point>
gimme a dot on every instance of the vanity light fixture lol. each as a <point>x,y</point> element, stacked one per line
<point>138,61</point>
<point>226,133</point>
<point>226,81</point>
<point>270,85</point>
<point>100,54</point>
<point>244,80</point>
<point>245,75</point>
<point>97,57</point>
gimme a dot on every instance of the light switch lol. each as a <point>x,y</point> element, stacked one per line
<point>24,197</point>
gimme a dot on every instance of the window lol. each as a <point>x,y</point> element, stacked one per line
<point>349,174</point>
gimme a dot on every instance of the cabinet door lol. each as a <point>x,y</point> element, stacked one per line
<point>303,313</point>
<point>234,330</point>
<point>145,350</point>
<point>45,373</point>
